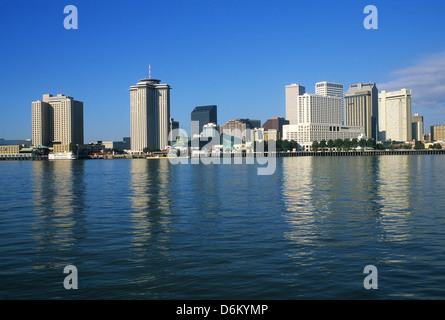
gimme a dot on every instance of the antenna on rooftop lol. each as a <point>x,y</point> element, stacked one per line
<point>149,71</point>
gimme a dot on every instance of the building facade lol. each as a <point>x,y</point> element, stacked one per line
<point>292,92</point>
<point>362,108</point>
<point>438,132</point>
<point>240,128</point>
<point>395,115</point>
<point>329,89</point>
<point>57,120</point>
<point>317,117</point>
<point>417,127</point>
<point>149,114</point>
<point>203,115</point>
<point>276,123</point>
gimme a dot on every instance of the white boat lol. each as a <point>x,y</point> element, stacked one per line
<point>62,156</point>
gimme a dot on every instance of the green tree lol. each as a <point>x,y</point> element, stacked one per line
<point>354,143</point>
<point>330,143</point>
<point>419,145</point>
<point>293,145</point>
<point>346,144</point>
<point>338,143</point>
<point>370,143</point>
<point>285,145</point>
<point>278,145</point>
<point>362,143</point>
<point>315,145</point>
<point>323,144</point>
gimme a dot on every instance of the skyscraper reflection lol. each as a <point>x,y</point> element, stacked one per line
<point>58,197</point>
<point>151,201</point>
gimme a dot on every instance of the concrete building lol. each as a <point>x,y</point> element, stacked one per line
<point>276,123</point>
<point>395,115</point>
<point>57,120</point>
<point>438,132</point>
<point>362,108</point>
<point>240,128</point>
<point>149,114</point>
<point>417,127</point>
<point>316,117</point>
<point>293,91</point>
<point>203,115</point>
<point>4,149</point>
<point>305,134</point>
<point>329,89</point>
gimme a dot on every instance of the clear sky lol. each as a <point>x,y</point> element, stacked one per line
<point>237,54</point>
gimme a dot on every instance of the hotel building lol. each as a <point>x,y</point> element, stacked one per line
<point>362,108</point>
<point>57,121</point>
<point>149,115</point>
<point>395,115</point>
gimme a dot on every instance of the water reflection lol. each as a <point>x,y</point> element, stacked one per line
<point>151,201</point>
<point>58,196</point>
<point>397,180</point>
<point>297,195</point>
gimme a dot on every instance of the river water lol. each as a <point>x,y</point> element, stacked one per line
<point>149,229</point>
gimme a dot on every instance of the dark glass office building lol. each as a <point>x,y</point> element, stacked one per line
<point>204,115</point>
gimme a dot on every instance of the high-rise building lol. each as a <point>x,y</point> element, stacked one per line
<point>57,121</point>
<point>316,116</point>
<point>395,115</point>
<point>240,128</point>
<point>329,89</point>
<point>362,108</point>
<point>292,92</point>
<point>150,114</point>
<point>438,132</point>
<point>276,123</point>
<point>203,115</point>
<point>417,127</point>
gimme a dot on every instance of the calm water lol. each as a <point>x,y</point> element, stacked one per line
<point>146,229</point>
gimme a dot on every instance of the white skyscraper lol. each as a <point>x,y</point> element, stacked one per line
<point>150,114</point>
<point>395,115</point>
<point>329,89</point>
<point>314,117</point>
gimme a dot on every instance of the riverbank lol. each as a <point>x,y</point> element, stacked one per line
<point>255,154</point>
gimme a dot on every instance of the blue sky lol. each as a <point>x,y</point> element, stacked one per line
<point>238,55</point>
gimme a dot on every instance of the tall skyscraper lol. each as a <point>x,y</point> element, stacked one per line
<point>149,114</point>
<point>417,127</point>
<point>329,89</point>
<point>362,108</point>
<point>57,121</point>
<point>314,117</point>
<point>395,115</point>
<point>204,115</point>
<point>292,92</point>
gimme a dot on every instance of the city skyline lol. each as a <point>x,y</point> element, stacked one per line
<point>241,66</point>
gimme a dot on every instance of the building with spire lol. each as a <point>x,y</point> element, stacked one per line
<point>149,114</point>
